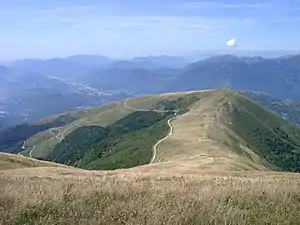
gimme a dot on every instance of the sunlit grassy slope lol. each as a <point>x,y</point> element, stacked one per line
<point>222,130</point>
<point>11,161</point>
<point>225,131</point>
<point>217,167</point>
<point>45,141</point>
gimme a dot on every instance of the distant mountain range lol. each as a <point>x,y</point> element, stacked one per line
<point>31,89</point>
<point>279,77</point>
<point>34,88</point>
<point>80,65</point>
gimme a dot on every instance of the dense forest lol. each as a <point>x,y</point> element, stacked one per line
<point>124,144</point>
<point>272,138</point>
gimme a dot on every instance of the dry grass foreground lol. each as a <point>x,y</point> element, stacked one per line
<point>64,196</point>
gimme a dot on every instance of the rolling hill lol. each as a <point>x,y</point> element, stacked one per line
<point>45,141</point>
<point>204,157</point>
<point>208,128</point>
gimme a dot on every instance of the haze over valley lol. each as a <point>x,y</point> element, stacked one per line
<point>83,81</point>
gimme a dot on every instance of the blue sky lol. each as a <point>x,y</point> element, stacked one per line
<point>127,28</point>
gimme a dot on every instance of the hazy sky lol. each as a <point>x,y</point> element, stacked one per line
<point>126,28</point>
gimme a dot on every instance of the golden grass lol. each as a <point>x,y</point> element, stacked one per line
<point>10,161</point>
<point>202,140</point>
<point>64,196</point>
<point>103,116</point>
<point>198,177</point>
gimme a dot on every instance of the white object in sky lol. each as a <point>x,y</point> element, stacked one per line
<point>231,43</point>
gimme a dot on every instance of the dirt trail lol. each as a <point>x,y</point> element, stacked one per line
<point>30,153</point>
<point>169,123</point>
<point>56,136</point>
<point>161,140</point>
<point>210,121</point>
<point>64,132</point>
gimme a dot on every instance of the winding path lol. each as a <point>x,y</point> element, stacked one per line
<point>169,123</point>
<point>30,153</point>
<point>64,132</point>
<point>56,136</point>
<point>161,140</point>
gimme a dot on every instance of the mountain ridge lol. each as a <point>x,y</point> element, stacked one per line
<point>208,131</point>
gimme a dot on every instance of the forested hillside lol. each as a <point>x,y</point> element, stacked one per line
<point>124,144</point>
<point>12,139</point>
<point>268,135</point>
